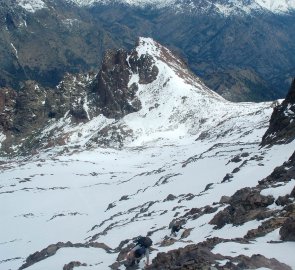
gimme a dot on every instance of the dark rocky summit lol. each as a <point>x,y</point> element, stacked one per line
<point>114,96</point>
<point>78,97</point>
<point>282,123</point>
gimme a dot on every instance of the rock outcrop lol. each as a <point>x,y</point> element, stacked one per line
<point>7,107</point>
<point>114,96</point>
<point>281,174</point>
<point>282,123</point>
<point>246,204</point>
<point>200,257</point>
<point>53,248</point>
<point>287,231</point>
<point>78,97</point>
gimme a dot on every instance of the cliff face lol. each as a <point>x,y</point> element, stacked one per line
<point>282,123</point>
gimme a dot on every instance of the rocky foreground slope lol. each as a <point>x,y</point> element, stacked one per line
<point>133,149</point>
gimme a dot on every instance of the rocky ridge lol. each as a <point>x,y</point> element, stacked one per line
<point>78,97</point>
<point>138,84</point>
<point>44,45</point>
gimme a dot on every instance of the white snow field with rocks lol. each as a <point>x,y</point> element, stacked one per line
<point>181,142</point>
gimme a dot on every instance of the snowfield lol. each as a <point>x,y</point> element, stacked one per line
<point>51,199</point>
<point>184,146</point>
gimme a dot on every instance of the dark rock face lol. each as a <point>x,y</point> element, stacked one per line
<point>282,122</point>
<point>258,261</point>
<point>30,110</point>
<point>24,112</point>
<point>114,96</point>
<point>80,97</point>
<point>7,106</point>
<point>283,200</point>
<point>72,265</point>
<point>53,248</point>
<point>191,257</point>
<point>246,204</point>
<point>287,231</point>
<point>200,257</point>
<point>71,95</point>
<point>283,173</point>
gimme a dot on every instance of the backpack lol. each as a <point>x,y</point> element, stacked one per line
<point>144,241</point>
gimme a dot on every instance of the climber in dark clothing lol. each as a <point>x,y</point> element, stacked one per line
<point>140,250</point>
<point>176,227</point>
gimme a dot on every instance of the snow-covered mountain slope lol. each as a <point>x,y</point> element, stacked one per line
<point>175,104</point>
<point>110,196</point>
<point>223,7</point>
<point>114,179</point>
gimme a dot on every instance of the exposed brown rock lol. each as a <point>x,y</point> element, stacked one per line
<point>287,231</point>
<point>282,122</point>
<point>186,233</point>
<point>114,96</point>
<point>246,204</point>
<point>283,200</point>
<point>258,261</point>
<point>170,197</point>
<point>72,265</point>
<point>191,257</point>
<point>52,249</point>
<point>283,173</point>
<point>7,106</point>
<point>224,199</point>
<point>265,228</point>
<point>167,241</point>
<point>200,257</point>
<point>29,109</point>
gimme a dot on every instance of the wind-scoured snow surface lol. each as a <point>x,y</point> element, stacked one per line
<point>181,140</point>
<point>223,7</point>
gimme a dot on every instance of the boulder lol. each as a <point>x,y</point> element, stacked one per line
<point>245,205</point>
<point>283,200</point>
<point>287,231</point>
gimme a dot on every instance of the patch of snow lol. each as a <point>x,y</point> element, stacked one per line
<point>31,5</point>
<point>276,6</point>
<point>15,50</point>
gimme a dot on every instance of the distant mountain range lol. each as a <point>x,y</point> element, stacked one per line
<point>243,50</point>
<point>225,7</point>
